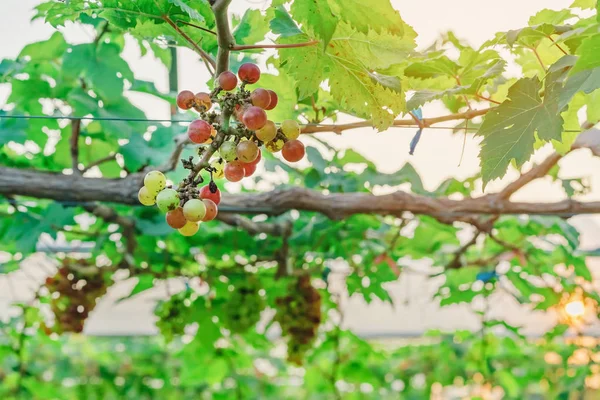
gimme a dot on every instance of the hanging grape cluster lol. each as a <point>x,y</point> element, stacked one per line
<point>229,148</point>
<point>244,306</point>
<point>171,315</point>
<point>74,294</point>
<point>299,315</point>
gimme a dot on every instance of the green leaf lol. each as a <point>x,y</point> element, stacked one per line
<point>317,15</point>
<point>584,4</point>
<point>585,81</point>
<point>432,67</point>
<point>251,29</point>
<point>348,63</point>
<point>378,15</point>
<point>282,24</point>
<point>144,282</point>
<point>101,65</point>
<point>139,152</point>
<point>588,54</point>
<point>50,49</point>
<point>509,130</point>
<point>189,10</point>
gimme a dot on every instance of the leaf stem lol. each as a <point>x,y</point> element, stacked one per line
<point>237,47</point>
<point>205,56</point>
<point>197,26</point>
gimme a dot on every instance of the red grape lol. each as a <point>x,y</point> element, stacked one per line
<point>234,171</point>
<point>176,219</point>
<point>260,98</point>
<point>249,169</point>
<point>274,100</point>
<point>227,80</point>
<point>293,150</point>
<point>249,73</point>
<point>254,118</point>
<point>205,193</point>
<point>199,131</point>
<point>211,210</point>
<point>247,151</point>
<point>203,100</point>
<point>185,100</point>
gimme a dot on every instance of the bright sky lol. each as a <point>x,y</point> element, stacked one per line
<point>438,154</point>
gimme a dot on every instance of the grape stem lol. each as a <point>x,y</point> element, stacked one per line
<point>224,37</point>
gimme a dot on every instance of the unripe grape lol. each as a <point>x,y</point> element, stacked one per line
<point>249,169</point>
<point>274,100</point>
<point>260,98</point>
<point>227,80</point>
<point>234,171</point>
<point>293,150</point>
<point>254,118</point>
<point>247,151</point>
<point>218,165</point>
<point>290,128</point>
<point>211,210</point>
<point>194,210</point>
<point>190,228</point>
<point>275,145</point>
<point>145,197</point>
<point>249,73</point>
<point>206,193</point>
<point>176,219</point>
<point>203,100</point>
<point>185,100</point>
<point>155,181</point>
<point>199,131</point>
<point>267,132</point>
<point>167,200</point>
<point>228,151</point>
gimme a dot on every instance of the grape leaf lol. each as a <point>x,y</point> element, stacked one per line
<point>584,81</point>
<point>378,15</point>
<point>317,15</point>
<point>588,54</point>
<point>251,28</point>
<point>189,10</point>
<point>282,24</point>
<point>509,130</point>
<point>584,4</point>
<point>432,67</point>
<point>350,62</point>
<point>100,66</point>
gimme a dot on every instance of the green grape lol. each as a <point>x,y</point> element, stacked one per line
<point>247,151</point>
<point>290,128</point>
<point>190,228</point>
<point>145,197</point>
<point>167,200</point>
<point>267,132</point>
<point>155,181</point>
<point>194,210</point>
<point>228,151</point>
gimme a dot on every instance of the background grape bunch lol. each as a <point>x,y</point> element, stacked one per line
<point>229,148</point>
<point>75,289</point>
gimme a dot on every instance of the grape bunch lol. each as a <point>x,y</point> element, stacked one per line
<point>172,315</point>
<point>299,315</point>
<point>74,295</point>
<point>243,308</point>
<point>230,142</point>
